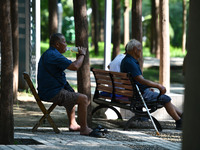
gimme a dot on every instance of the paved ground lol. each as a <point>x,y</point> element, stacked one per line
<point>45,139</point>
<point>48,140</point>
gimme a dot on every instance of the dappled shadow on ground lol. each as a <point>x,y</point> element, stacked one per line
<point>27,113</point>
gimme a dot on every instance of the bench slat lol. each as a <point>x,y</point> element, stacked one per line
<point>122,86</point>
<point>104,88</point>
<point>123,81</point>
<point>124,92</point>
<point>104,82</point>
<point>105,77</point>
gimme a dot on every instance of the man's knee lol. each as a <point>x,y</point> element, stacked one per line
<point>83,99</point>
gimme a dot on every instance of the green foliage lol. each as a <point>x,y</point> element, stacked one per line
<point>176,75</point>
<point>44,20</point>
<point>174,51</point>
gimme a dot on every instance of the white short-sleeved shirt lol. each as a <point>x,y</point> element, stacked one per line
<point>115,64</point>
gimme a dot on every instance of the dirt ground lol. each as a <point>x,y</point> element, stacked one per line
<point>27,113</point>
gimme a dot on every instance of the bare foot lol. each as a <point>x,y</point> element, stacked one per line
<point>74,127</point>
<point>85,131</point>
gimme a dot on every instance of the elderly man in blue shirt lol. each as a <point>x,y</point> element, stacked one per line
<point>130,64</point>
<point>53,87</point>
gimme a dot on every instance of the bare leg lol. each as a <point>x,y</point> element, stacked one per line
<point>170,108</point>
<point>73,125</point>
<point>82,114</point>
<point>178,111</point>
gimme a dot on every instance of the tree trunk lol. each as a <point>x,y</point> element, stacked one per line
<point>184,26</point>
<point>15,42</point>
<point>53,17</point>
<point>81,37</point>
<point>155,40</point>
<point>191,121</point>
<point>95,29</point>
<point>164,71</point>
<point>6,101</point>
<point>117,29</point>
<point>137,24</point>
<point>126,22</point>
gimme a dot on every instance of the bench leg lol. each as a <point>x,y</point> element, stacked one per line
<point>105,106</point>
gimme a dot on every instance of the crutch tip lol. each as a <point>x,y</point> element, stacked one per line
<point>157,133</point>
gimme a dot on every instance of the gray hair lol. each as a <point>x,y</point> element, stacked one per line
<point>132,43</point>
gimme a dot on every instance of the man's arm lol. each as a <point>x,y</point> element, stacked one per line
<point>78,62</point>
<point>143,81</point>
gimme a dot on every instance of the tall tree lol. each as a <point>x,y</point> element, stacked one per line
<point>53,17</point>
<point>184,26</point>
<point>81,39</point>
<point>95,28</point>
<point>117,29</point>
<point>155,40</point>
<point>137,24</point>
<point>6,101</point>
<point>15,42</point>
<point>164,71</point>
<point>191,130</point>
<point>126,22</point>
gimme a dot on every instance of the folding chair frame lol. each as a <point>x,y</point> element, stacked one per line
<point>41,106</point>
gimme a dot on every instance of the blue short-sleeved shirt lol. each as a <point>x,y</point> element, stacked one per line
<point>55,63</point>
<point>129,64</point>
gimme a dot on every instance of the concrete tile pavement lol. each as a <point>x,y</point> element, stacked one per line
<point>72,141</point>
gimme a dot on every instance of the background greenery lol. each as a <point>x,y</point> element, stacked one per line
<point>175,9</point>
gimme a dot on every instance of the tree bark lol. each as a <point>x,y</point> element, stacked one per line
<point>126,22</point>
<point>164,71</point>
<point>184,26</point>
<point>15,42</point>
<point>6,101</point>
<point>81,38</point>
<point>155,40</point>
<point>137,24</point>
<point>53,17</point>
<point>95,29</point>
<point>117,29</point>
<point>191,130</point>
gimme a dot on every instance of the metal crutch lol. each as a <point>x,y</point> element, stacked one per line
<point>147,110</point>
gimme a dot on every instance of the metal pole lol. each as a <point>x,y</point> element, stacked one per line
<point>37,34</point>
<point>107,33</point>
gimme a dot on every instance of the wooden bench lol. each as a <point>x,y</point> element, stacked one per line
<point>46,113</point>
<point>118,89</point>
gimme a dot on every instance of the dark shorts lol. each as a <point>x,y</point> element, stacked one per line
<point>149,95</point>
<point>66,99</point>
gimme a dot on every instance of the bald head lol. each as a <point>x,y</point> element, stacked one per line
<point>56,37</point>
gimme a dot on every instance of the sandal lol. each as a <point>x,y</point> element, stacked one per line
<point>99,128</point>
<point>97,134</point>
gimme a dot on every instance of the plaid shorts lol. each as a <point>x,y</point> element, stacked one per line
<point>66,99</point>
